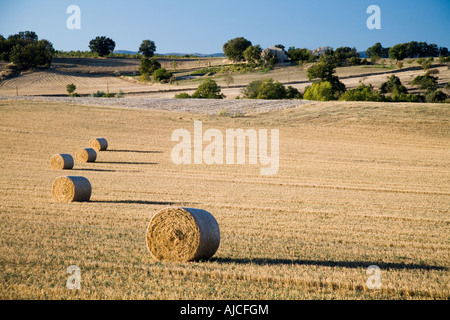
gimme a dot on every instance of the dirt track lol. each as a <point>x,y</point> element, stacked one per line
<point>206,106</point>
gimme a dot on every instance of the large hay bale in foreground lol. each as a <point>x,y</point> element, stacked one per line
<point>182,234</point>
<point>71,188</point>
<point>61,161</point>
<point>98,144</point>
<point>86,155</point>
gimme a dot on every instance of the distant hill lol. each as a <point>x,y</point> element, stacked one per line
<point>362,54</point>
<point>200,55</point>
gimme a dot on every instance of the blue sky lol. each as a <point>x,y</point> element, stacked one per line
<point>203,26</point>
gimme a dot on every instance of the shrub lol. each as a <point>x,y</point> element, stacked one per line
<point>362,93</point>
<point>71,88</point>
<point>271,90</point>
<point>182,95</point>
<point>119,94</point>
<point>393,82</point>
<point>208,90</point>
<point>97,94</point>
<point>397,96</point>
<point>162,75</point>
<point>320,91</point>
<point>434,96</point>
<point>426,81</point>
<point>252,89</point>
<point>293,93</point>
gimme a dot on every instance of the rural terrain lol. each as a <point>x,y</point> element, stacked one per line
<point>359,184</point>
<point>114,74</point>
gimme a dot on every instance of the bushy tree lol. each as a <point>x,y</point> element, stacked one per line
<point>253,54</point>
<point>293,93</point>
<point>324,70</point>
<point>252,89</point>
<point>342,56</point>
<point>434,96</point>
<point>148,66</point>
<point>102,45</point>
<point>320,91</point>
<point>162,75</point>
<point>398,52</point>
<point>234,48</point>
<point>26,51</point>
<point>300,55</point>
<point>362,93</point>
<point>271,90</point>
<point>392,83</point>
<point>208,90</point>
<point>33,54</point>
<point>147,48</point>
<point>71,88</point>
<point>397,96</point>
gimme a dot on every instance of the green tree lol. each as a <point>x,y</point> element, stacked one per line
<point>147,48</point>
<point>253,54</point>
<point>271,90</point>
<point>148,66</point>
<point>392,83</point>
<point>426,81</point>
<point>362,93</point>
<point>102,45</point>
<point>293,93</point>
<point>324,70</point>
<point>34,54</point>
<point>320,91</point>
<point>234,48</point>
<point>71,88</point>
<point>208,90</point>
<point>434,96</point>
<point>398,52</point>
<point>300,55</point>
<point>162,75</point>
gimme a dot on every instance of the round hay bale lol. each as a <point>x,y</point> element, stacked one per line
<point>61,161</point>
<point>98,144</point>
<point>86,155</point>
<point>71,188</point>
<point>182,235</point>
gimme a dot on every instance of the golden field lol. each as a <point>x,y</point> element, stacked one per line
<point>359,184</point>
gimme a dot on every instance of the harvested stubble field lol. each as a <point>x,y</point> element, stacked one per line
<point>359,184</point>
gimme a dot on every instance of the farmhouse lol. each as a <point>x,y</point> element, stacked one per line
<point>279,53</point>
